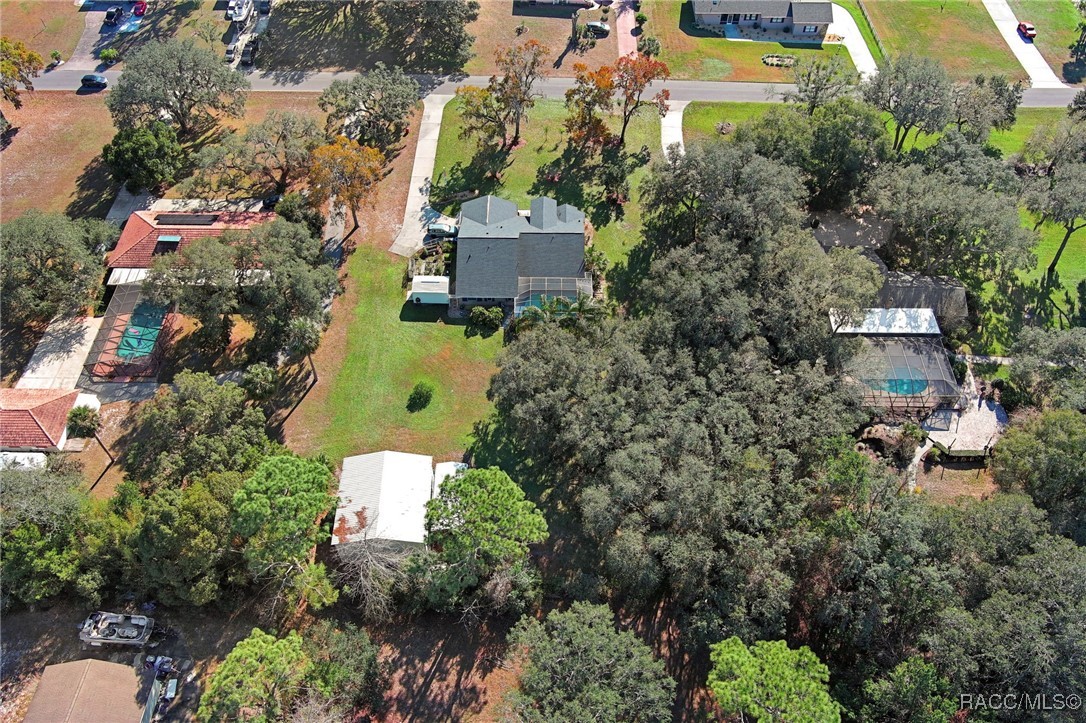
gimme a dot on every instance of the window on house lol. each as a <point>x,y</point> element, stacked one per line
<point>751,16</point>
<point>166,245</point>
<point>776,20</point>
<point>810,28</point>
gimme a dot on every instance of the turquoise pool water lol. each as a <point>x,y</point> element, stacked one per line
<point>899,386</point>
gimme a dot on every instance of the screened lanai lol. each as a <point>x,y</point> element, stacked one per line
<point>904,375</point>
<point>131,341</point>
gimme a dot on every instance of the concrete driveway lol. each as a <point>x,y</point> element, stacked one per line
<point>58,359</point>
<point>418,214</point>
<point>1040,73</point>
<point>845,27</point>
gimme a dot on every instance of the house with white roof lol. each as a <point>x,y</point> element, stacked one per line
<point>383,496</point>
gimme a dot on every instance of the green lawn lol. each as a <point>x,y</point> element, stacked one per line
<point>387,348</point>
<point>1013,140</point>
<point>1057,32</point>
<point>693,53</point>
<point>544,151</point>
<point>700,117</point>
<point>958,33</point>
<point>853,7</point>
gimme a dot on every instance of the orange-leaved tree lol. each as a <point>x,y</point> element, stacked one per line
<point>346,170</point>
<point>592,95</point>
<point>633,74</point>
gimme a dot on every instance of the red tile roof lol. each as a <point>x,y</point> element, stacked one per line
<point>34,418</point>
<point>136,247</point>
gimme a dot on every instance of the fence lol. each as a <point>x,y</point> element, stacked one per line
<point>874,33</point>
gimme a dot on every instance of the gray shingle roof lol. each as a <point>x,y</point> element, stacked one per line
<point>812,13</point>
<point>490,257</point>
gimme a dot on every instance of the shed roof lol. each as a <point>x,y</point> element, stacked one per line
<point>897,322</point>
<point>383,496</point>
<point>430,284</point>
<point>34,418</point>
<point>87,691</point>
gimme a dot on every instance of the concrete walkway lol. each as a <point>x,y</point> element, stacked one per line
<point>844,26</point>
<point>1039,71</point>
<point>418,214</point>
<point>671,125</point>
<point>57,362</point>
<point>625,25</point>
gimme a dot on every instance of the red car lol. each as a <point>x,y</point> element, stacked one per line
<point>139,8</point>
<point>1026,30</point>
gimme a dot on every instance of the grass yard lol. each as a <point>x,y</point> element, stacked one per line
<point>958,33</point>
<point>551,25</point>
<point>693,53</point>
<point>700,117</point>
<point>544,151</point>
<point>53,162</point>
<point>44,25</point>
<point>1058,37</point>
<point>1028,119</point>
<point>377,349</point>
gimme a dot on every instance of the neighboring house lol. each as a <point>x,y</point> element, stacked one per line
<point>900,289</point>
<point>36,420</point>
<point>902,367</point>
<point>515,258</point>
<point>800,17</point>
<point>382,497</point>
<point>148,234</point>
<point>82,691</point>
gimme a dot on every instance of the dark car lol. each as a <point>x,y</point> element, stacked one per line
<point>114,15</point>
<point>1026,30</point>
<point>599,29</point>
<point>268,203</point>
<point>264,6</point>
<point>94,80</point>
<point>248,53</point>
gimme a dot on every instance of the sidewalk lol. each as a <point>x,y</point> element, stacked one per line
<point>418,214</point>
<point>1039,71</point>
<point>671,125</point>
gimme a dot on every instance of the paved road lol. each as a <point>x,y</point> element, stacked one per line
<point>301,82</point>
<point>1038,69</point>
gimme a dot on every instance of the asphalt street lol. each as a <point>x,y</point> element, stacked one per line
<point>683,90</point>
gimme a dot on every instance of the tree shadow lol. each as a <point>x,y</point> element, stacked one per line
<point>19,341</point>
<point>95,191</point>
<point>296,380</point>
<point>478,177</point>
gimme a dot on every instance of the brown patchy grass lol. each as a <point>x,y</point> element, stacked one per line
<point>53,162</point>
<point>958,33</point>
<point>551,25</point>
<point>44,25</point>
<point>945,483</point>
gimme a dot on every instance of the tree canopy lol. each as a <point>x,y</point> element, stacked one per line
<point>51,264</point>
<point>197,428</point>
<point>145,157</point>
<point>578,667</point>
<point>372,107</point>
<point>346,171</point>
<point>177,79</point>
<point>915,91</point>
<point>19,65</point>
<point>258,681</point>
<point>770,681</point>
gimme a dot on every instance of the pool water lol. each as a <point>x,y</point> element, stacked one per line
<point>899,386</point>
<point>140,335</point>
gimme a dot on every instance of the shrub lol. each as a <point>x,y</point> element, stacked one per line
<point>83,422</point>
<point>421,396</point>
<point>55,55</point>
<point>648,45</point>
<point>486,319</point>
<point>109,55</point>
<point>294,207</point>
<point>641,19</point>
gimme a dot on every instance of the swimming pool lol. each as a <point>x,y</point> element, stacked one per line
<point>142,331</point>
<point>898,386</point>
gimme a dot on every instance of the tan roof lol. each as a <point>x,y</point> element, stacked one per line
<point>34,418</point>
<point>87,691</point>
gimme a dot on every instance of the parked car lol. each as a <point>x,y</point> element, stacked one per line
<point>265,6</point>
<point>268,203</point>
<point>114,15</point>
<point>1026,30</point>
<point>139,8</point>
<point>442,230</point>
<point>248,53</point>
<point>94,80</point>
<point>231,52</point>
<point>599,29</point>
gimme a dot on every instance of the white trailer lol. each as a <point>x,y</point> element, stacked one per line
<point>429,290</point>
